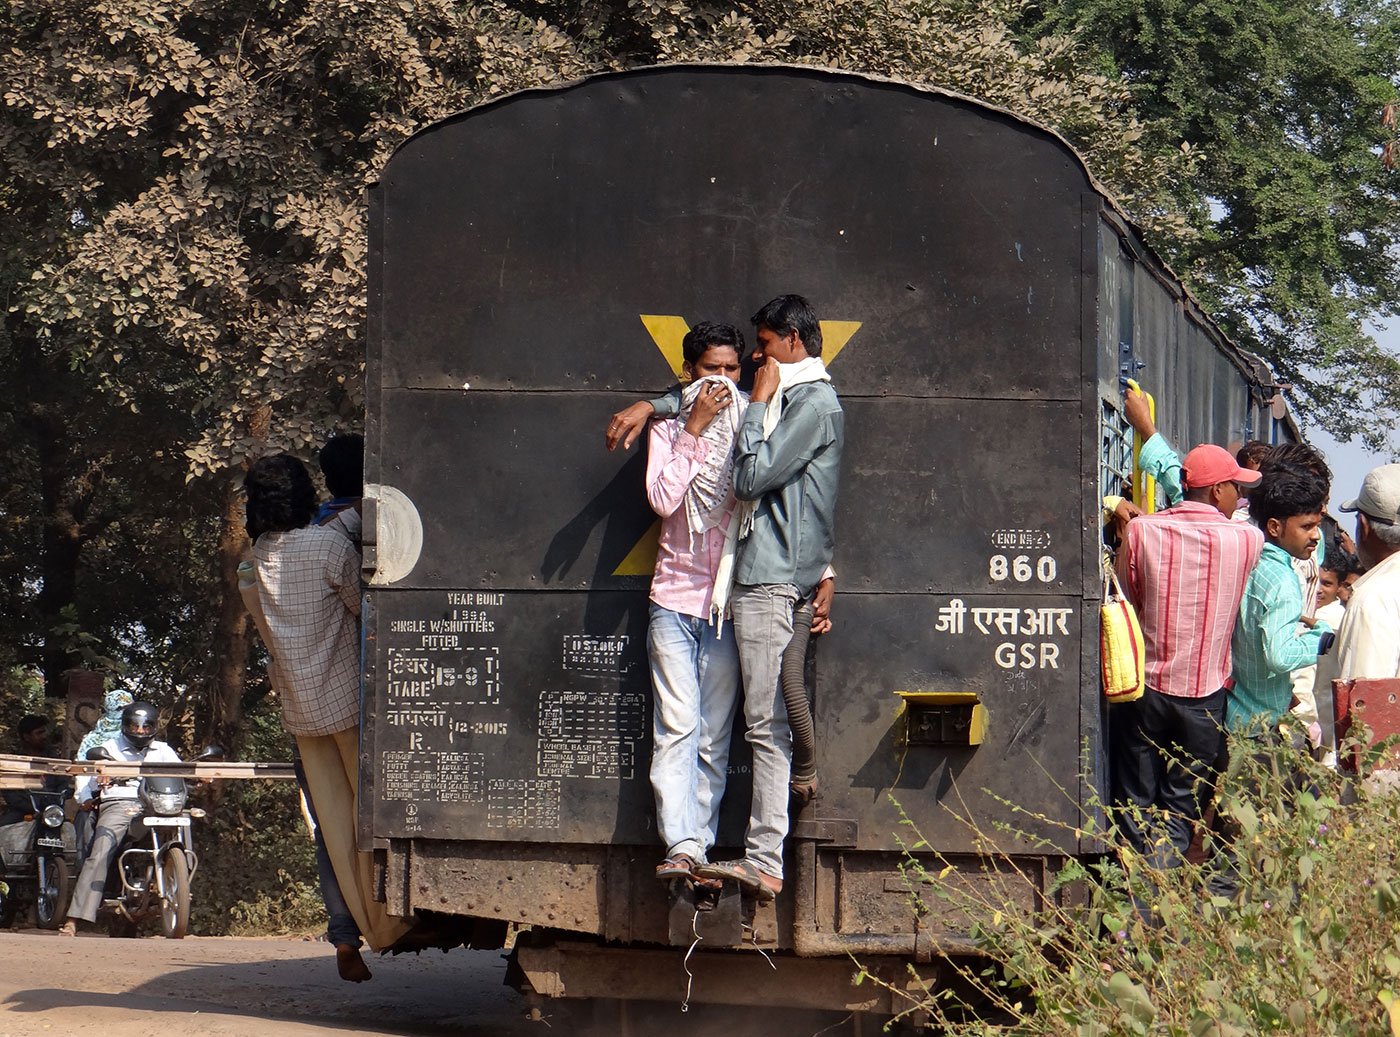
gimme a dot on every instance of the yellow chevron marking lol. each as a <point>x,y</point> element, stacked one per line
<point>667,331</point>
<point>641,560</point>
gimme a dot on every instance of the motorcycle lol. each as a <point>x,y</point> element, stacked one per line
<point>38,859</point>
<point>156,862</point>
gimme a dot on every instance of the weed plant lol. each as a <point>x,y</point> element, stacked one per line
<point>1308,944</point>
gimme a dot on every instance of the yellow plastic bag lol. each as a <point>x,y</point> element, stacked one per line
<point>1122,654</point>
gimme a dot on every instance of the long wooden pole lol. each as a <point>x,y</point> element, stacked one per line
<point>30,771</point>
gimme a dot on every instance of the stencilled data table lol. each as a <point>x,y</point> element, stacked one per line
<point>469,745</point>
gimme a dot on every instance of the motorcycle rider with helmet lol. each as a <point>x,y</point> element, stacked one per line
<point>136,743</point>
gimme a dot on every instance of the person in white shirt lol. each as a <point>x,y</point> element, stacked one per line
<point>1312,691</point>
<point>1368,643</point>
<point>135,743</point>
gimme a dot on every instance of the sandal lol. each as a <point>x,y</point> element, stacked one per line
<point>704,885</point>
<point>676,866</point>
<point>757,884</point>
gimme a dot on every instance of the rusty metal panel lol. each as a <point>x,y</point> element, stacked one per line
<point>879,892</point>
<point>607,890</point>
<point>579,970</point>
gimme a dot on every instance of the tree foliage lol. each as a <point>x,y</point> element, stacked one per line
<point>184,282</point>
<point>1296,216</point>
<point>189,290</point>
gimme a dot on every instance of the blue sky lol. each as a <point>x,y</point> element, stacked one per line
<point>1350,461</point>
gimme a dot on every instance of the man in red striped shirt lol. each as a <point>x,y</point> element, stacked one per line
<point>1185,570</point>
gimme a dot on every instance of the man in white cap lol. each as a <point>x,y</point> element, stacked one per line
<point>1368,642</point>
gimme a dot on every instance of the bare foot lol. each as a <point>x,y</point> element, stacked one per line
<point>68,928</point>
<point>349,964</point>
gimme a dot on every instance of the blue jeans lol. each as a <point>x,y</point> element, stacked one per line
<point>763,626</point>
<point>341,927</point>
<point>695,688</point>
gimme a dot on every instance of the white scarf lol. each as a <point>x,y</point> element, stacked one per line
<point>789,376</point>
<point>710,495</point>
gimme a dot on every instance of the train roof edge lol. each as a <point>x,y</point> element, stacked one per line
<point>1254,369</point>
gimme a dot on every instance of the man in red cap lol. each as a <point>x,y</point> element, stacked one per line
<point>1185,570</point>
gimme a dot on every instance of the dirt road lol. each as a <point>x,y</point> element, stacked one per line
<point>99,987</point>
<point>92,986</point>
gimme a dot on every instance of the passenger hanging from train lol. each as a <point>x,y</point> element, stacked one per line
<point>1165,746</point>
<point>690,643</point>
<point>1303,460</point>
<point>787,472</point>
<point>1250,457</point>
<point>783,554</point>
<point>308,590</point>
<point>1338,567</point>
<point>1368,642</point>
<point>1156,458</point>
<point>1274,635</point>
<point>342,463</point>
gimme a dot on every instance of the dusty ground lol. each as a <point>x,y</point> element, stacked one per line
<point>93,986</point>
<point>99,987</point>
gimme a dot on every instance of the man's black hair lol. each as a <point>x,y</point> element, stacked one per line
<point>1298,457</point>
<point>342,462</point>
<point>1284,493</point>
<point>32,722</point>
<point>1342,563</point>
<point>1253,454</point>
<point>710,333</point>
<point>789,313</point>
<point>281,495</point>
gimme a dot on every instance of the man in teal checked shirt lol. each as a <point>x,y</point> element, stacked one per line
<point>1268,644</point>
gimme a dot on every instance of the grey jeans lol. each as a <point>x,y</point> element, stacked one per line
<point>763,628</point>
<point>113,821</point>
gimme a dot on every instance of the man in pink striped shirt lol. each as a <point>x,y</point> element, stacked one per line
<point>1185,570</point>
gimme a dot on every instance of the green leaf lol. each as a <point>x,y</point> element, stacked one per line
<point>1131,998</point>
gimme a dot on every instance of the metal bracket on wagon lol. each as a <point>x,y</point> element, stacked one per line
<point>834,831</point>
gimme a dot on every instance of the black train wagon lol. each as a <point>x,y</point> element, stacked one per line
<point>533,264</point>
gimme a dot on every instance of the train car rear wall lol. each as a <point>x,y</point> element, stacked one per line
<point>534,263</point>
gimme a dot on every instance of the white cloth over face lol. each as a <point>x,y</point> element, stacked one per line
<point>804,371</point>
<point>789,375</point>
<point>711,492</point>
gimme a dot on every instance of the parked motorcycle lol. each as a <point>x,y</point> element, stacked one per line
<point>38,859</point>
<point>153,868</point>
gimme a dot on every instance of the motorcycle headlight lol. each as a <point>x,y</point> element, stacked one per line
<point>53,815</point>
<point>166,804</point>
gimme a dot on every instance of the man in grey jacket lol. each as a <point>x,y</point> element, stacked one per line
<point>786,473</point>
<point>787,461</point>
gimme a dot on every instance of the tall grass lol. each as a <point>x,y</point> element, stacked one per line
<point>1308,944</point>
